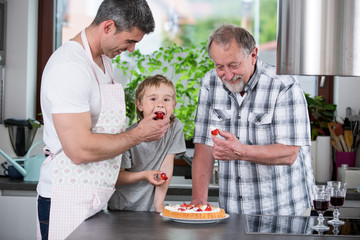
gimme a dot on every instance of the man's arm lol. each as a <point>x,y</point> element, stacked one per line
<point>82,146</point>
<point>232,149</point>
<point>202,169</point>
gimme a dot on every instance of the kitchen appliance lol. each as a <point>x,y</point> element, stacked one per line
<point>350,175</point>
<point>318,37</point>
<point>21,133</point>
<point>32,164</point>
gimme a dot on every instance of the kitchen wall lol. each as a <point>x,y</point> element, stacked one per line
<point>20,79</point>
<point>347,94</point>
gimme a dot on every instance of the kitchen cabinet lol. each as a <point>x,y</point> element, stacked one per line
<point>17,214</point>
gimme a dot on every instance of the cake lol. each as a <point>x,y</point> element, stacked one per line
<point>189,211</point>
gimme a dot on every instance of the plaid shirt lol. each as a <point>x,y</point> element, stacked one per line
<point>273,110</point>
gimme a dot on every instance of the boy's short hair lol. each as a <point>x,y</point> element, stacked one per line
<point>152,81</point>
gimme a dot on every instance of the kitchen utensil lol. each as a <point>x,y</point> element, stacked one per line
<point>348,134</point>
<point>339,131</point>
<point>31,169</point>
<point>331,125</point>
<point>349,139</point>
<point>348,112</point>
<point>339,120</point>
<point>333,144</point>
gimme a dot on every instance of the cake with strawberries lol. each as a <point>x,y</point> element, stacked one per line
<point>189,211</point>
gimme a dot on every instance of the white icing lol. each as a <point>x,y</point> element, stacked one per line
<point>175,208</point>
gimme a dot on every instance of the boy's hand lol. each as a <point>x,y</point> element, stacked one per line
<point>154,177</point>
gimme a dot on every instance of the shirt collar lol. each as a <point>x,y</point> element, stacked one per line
<point>255,77</point>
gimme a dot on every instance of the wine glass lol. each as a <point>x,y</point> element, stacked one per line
<point>321,204</point>
<point>337,198</point>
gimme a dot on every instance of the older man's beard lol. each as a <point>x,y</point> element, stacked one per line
<point>235,88</point>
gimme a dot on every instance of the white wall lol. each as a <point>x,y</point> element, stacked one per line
<point>347,94</point>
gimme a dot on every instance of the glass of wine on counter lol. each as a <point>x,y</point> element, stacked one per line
<point>321,204</point>
<point>337,198</point>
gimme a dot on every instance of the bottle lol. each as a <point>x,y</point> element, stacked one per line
<point>341,172</point>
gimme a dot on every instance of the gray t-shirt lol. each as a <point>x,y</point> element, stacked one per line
<point>145,156</point>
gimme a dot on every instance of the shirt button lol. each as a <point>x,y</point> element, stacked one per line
<point>239,198</point>
<point>239,117</point>
<point>238,178</point>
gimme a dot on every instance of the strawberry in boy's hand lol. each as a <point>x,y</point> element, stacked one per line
<point>159,115</point>
<point>163,176</point>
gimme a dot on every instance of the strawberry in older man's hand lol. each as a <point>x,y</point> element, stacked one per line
<point>215,132</point>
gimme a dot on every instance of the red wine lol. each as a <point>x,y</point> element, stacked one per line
<point>321,205</point>
<point>337,201</point>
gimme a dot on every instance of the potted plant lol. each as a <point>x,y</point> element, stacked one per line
<point>185,66</point>
<point>320,113</point>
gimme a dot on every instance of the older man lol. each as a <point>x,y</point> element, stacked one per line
<point>262,146</point>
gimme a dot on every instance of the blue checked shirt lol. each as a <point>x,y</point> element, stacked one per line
<point>273,110</point>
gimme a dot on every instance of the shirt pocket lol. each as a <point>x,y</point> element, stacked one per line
<point>260,130</point>
<point>220,118</point>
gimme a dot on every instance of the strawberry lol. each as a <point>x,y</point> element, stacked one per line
<point>208,208</point>
<point>215,132</point>
<point>163,176</point>
<point>184,205</point>
<point>199,210</point>
<point>182,209</point>
<point>159,115</point>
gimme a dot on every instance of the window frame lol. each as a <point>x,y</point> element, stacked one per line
<point>45,45</point>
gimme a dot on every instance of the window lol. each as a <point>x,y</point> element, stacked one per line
<point>187,22</point>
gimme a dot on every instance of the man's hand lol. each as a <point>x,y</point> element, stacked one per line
<point>150,130</point>
<point>199,202</point>
<point>224,148</point>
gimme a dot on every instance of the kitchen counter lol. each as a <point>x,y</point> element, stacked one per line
<point>150,225</point>
<point>18,199</point>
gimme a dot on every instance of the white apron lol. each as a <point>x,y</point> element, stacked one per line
<point>80,191</point>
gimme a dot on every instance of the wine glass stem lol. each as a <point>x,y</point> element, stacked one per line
<point>321,219</point>
<point>336,213</point>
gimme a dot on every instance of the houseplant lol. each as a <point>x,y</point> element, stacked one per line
<point>320,113</point>
<point>185,66</point>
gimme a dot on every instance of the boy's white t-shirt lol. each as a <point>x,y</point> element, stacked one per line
<point>68,85</point>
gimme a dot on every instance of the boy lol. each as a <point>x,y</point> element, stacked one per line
<point>142,166</point>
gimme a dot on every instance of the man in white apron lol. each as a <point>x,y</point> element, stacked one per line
<point>84,117</point>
